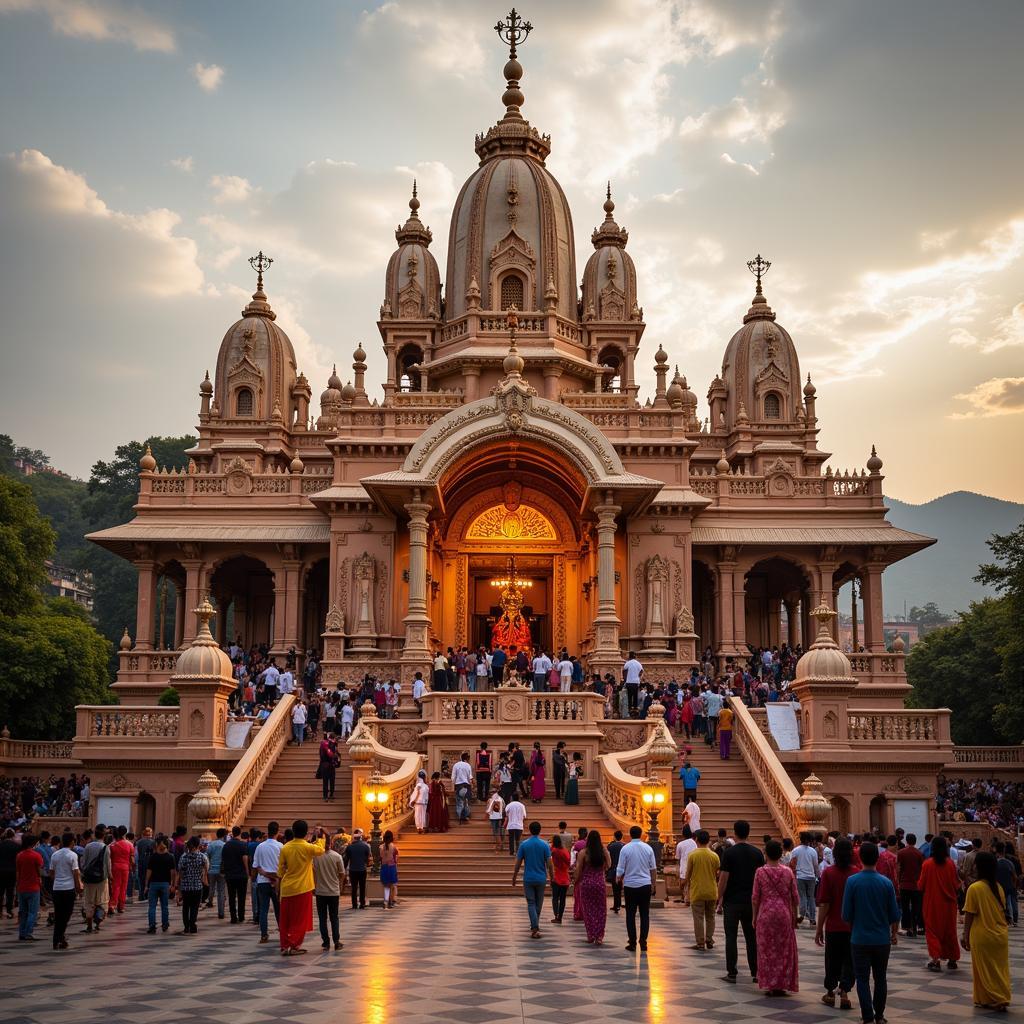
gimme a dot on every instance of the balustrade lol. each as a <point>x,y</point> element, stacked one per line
<point>899,726</point>
<point>513,705</point>
<point>23,751</point>
<point>555,709</point>
<point>136,723</point>
<point>467,708</point>
<point>983,756</point>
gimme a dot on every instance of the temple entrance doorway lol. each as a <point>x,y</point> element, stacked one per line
<point>491,578</point>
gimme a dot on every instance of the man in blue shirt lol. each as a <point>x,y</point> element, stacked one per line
<point>871,910</point>
<point>534,857</point>
<point>218,885</point>
<point>498,659</point>
<point>689,776</point>
<point>637,873</point>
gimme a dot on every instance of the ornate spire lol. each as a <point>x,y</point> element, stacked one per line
<point>513,363</point>
<point>759,308</point>
<point>513,132</point>
<point>609,233</point>
<point>413,230</point>
<point>259,305</point>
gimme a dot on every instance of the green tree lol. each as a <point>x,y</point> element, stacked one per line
<point>930,615</point>
<point>51,654</point>
<point>112,491</point>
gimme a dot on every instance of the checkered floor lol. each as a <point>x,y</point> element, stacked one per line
<point>432,962</point>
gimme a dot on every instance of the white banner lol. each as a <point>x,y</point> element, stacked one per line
<point>238,733</point>
<point>783,726</point>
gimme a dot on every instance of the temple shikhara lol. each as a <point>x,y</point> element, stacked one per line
<point>512,483</point>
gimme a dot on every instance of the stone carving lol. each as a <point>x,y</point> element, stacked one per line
<point>343,574</point>
<point>364,573</point>
<point>684,620</point>
<point>196,723</point>
<point>461,610</point>
<point>335,621</point>
<point>522,524</point>
<point>117,783</point>
<point>656,573</point>
<point>905,784</point>
<point>830,725</point>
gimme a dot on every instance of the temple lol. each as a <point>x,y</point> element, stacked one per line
<point>512,476</point>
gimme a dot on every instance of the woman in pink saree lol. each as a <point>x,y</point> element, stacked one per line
<point>537,773</point>
<point>775,903</point>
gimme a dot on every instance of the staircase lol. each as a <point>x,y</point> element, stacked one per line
<point>462,861</point>
<point>725,794</point>
<point>292,791</point>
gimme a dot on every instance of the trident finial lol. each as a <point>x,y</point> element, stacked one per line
<point>758,266</point>
<point>260,263</point>
<point>513,30</point>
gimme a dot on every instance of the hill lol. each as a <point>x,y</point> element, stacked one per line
<point>962,522</point>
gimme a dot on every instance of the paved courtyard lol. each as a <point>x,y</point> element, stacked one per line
<point>432,962</point>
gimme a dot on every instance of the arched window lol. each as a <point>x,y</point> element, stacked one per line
<point>512,291</point>
<point>243,402</point>
<point>409,357</point>
<point>772,406</point>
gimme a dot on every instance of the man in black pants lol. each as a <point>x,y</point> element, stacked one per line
<point>637,873</point>
<point>735,890</point>
<point>357,860</point>
<point>234,866</point>
<point>560,766</point>
<point>614,849</point>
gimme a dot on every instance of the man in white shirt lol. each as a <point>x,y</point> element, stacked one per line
<point>541,668</point>
<point>496,815</point>
<point>691,815</point>
<point>265,860</point>
<point>515,817</point>
<point>67,883</point>
<point>286,682</point>
<point>637,873</point>
<point>462,783</point>
<point>683,850</point>
<point>298,722</point>
<point>632,674</point>
<point>564,675</point>
<point>418,802</point>
<point>483,672</point>
<point>805,865</point>
<point>270,677</point>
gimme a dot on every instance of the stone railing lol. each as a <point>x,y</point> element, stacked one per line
<point>856,489</point>
<point>117,722</point>
<point>57,824</point>
<point>398,768</point>
<point>987,757</point>
<point>869,727</point>
<point>241,787</point>
<point>180,487</point>
<point>146,664</point>
<point>621,778</point>
<point>513,705</point>
<point>883,663</point>
<point>777,789</point>
<point>25,752</point>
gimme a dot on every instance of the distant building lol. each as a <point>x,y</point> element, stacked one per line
<point>73,583</point>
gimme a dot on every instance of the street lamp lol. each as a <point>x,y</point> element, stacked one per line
<point>375,797</point>
<point>653,795</point>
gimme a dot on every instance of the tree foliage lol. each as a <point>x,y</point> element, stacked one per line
<point>51,654</point>
<point>930,615</point>
<point>976,666</point>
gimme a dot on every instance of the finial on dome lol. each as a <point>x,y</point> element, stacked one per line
<point>359,355</point>
<point>513,30</point>
<point>206,388</point>
<point>874,462</point>
<point>334,381</point>
<point>609,206</point>
<point>759,308</point>
<point>722,465</point>
<point>259,305</point>
<point>513,363</point>
<point>126,641</point>
<point>260,263</point>
<point>414,203</point>
<point>758,266</point>
<point>742,419</point>
<point>809,389</point>
<point>204,613</point>
<point>661,356</point>
<point>147,463</point>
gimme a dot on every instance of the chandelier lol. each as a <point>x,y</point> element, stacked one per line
<point>511,581</point>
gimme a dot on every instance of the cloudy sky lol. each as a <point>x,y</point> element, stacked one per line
<point>872,150</point>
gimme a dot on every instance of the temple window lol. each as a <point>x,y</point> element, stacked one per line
<point>772,406</point>
<point>243,402</point>
<point>409,359</point>
<point>512,291</point>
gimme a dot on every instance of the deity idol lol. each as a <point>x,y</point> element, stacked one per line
<point>511,628</point>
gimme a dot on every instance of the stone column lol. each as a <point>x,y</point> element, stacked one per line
<point>874,629</point>
<point>287,581</point>
<point>793,623</point>
<point>607,622</point>
<point>179,615</point>
<point>551,378</point>
<point>724,610</point>
<point>472,377</point>
<point>417,621</point>
<point>193,585</point>
<point>145,605</point>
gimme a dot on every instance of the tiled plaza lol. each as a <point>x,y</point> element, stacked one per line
<point>431,962</point>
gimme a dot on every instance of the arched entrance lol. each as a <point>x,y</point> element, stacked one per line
<point>777,594</point>
<point>243,588</point>
<point>510,512</point>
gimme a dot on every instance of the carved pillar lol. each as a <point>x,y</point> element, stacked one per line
<point>472,377</point>
<point>145,605</point>
<point>826,593</point>
<point>193,596</point>
<point>364,575</point>
<point>417,621</point>
<point>871,591</point>
<point>656,574</point>
<point>792,623</point>
<point>854,633</point>
<point>607,622</point>
<point>551,378</point>
<point>287,583</point>
<point>724,609</point>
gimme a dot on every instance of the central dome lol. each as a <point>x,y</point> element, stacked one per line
<point>511,238</point>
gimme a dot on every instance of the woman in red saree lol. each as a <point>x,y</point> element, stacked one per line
<point>775,904</point>
<point>437,805</point>
<point>939,885</point>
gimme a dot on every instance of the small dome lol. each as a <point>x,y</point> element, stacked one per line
<point>359,355</point>
<point>126,641</point>
<point>147,463</point>
<point>203,659</point>
<point>609,278</point>
<point>874,462</point>
<point>412,284</point>
<point>206,387</point>
<point>824,662</point>
<point>513,363</point>
<point>674,393</point>
<point>297,465</point>
<point>334,381</point>
<point>348,392</point>
<point>722,465</point>
<point>661,356</point>
<point>809,389</point>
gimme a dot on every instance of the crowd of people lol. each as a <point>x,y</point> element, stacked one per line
<point>996,803</point>
<point>25,797</point>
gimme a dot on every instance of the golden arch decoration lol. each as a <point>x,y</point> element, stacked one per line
<point>520,524</point>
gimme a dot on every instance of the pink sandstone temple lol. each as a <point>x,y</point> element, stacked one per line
<point>511,424</point>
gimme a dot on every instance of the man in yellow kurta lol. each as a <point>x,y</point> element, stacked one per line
<point>295,876</point>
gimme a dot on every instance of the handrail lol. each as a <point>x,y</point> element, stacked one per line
<point>620,792</point>
<point>366,749</point>
<point>20,751</point>
<point>984,756</point>
<point>776,787</point>
<point>240,788</point>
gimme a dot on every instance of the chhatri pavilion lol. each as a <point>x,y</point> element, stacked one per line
<point>512,434</point>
